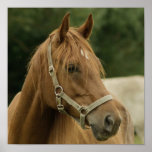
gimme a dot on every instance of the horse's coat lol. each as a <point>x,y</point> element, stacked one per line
<point>33,116</point>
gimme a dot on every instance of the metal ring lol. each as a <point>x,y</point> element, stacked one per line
<point>83,110</point>
<point>51,68</point>
<point>58,90</point>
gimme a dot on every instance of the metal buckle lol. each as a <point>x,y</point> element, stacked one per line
<point>51,69</point>
<point>60,107</point>
<point>58,90</point>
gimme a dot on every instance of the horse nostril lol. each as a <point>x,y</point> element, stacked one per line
<point>108,123</point>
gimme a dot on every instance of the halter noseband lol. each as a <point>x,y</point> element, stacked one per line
<point>60,94</point>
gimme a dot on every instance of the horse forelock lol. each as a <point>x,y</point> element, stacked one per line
<point>70,52</point>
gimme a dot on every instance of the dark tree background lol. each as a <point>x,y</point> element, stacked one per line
<point>117,38</point>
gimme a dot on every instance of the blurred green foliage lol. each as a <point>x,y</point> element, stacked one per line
<point>117,38</point>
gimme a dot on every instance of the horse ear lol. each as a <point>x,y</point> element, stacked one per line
<point>86,28</point>
<point>63,29</point>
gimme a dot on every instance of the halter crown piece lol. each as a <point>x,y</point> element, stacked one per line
<point>60,94</point>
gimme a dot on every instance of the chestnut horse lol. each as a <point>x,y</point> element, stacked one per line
<point>33,116</point>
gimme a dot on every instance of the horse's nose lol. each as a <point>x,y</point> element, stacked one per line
<point>110,123</point>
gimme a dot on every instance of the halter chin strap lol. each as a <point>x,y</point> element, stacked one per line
<point>60,94</point>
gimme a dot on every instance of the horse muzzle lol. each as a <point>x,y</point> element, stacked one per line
<point>105,128</point>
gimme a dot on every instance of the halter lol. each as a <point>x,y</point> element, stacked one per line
<point>60,94</point>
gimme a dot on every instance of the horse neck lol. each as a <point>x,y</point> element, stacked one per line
<point>32,121</point>
<point>32,117</point>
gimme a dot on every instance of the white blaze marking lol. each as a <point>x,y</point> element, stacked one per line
<point>84,54</point>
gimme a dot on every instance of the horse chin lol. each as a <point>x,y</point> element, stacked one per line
<point>102,138</point>
<point>102,135</point>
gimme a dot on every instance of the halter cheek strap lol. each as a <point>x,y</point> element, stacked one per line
<point>60,94</point>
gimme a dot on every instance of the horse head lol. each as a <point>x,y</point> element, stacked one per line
<point>79,71</point>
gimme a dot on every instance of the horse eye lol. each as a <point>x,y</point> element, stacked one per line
<point>72,68</point>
